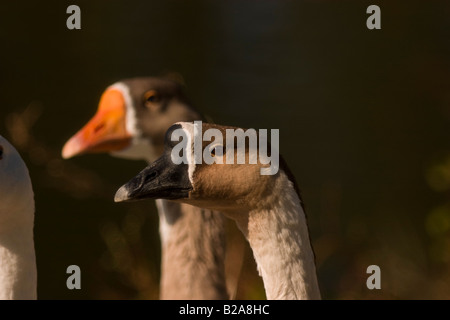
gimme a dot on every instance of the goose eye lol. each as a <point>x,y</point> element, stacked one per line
<point>1,152</point>
<point>151,96</point>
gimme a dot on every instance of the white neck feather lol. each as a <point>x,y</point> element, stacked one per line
<point>18,274</point>
<point>17,256</point>
<point>281,246</point>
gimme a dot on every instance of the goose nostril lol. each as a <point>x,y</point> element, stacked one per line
<point>99,127</point>
<point>150,177</point>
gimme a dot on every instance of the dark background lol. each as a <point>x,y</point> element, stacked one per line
<point>363,117</point>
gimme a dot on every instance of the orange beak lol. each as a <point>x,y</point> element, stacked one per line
<point>105,132</point>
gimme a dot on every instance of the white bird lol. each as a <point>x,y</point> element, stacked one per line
<point>132,118</point>
<point>18,274</point>
<point>267,209</point>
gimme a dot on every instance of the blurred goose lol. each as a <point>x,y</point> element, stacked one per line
<point>267,208</point>
<point>132,118</point>
<point>18,275</point>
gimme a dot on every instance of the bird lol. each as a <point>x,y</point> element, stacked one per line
<point>18,274</point>
<point>267,208</point>
<point>132,118</point>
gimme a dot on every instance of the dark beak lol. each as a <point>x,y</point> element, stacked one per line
<point>161,180</point>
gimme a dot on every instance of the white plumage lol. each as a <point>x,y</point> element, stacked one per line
<point>18,275</point>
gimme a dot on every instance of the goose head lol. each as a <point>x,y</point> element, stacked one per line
<point>132,118</point>
<point>218,186</point>
<point>16,191</point>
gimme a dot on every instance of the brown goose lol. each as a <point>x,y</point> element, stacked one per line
<point>267,209</point>
<point>132,118</point>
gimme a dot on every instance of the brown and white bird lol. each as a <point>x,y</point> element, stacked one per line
<point>267,208</point>
<point>132,118</point>
<point>18,274</point>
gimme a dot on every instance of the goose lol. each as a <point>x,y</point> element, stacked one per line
<point>18,275</point>
<point>267,209</point>
<point>132,118</point>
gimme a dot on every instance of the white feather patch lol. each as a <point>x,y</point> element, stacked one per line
<point>141,148</point>
<point>188,128</point>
